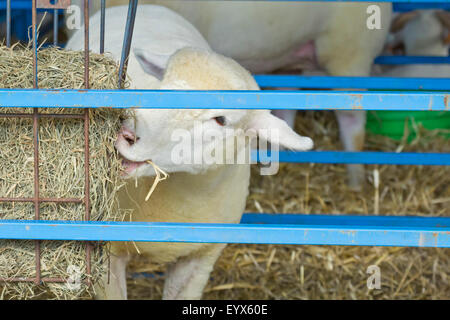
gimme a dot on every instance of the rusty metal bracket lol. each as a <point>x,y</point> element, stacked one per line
<point>53,4</point>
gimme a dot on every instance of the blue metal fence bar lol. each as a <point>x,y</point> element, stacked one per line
<point>326,82</point>
<point>346,157</point>
<point>17,5</point>
<point>432,233</point>
<point>403,7</point>
<point>346,220</point>
<point>396,60</point>
<point>303,100</point>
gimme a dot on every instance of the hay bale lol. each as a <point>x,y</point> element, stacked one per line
<point>61,157</point>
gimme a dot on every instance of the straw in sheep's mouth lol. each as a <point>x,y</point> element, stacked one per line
<point>129,166</point>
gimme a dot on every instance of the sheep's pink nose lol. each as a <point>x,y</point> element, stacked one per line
<point>128,135</point>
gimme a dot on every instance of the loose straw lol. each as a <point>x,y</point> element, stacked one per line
<point>160,176</point>
<point>376,183</point>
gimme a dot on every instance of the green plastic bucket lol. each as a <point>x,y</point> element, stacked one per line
<point>392,123</point>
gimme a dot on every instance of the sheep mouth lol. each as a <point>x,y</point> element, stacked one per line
<point>129,166</point>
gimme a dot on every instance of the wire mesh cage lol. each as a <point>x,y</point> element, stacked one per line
<point>37,116</point>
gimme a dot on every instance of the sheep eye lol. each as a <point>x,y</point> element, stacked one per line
<point>221,121</point>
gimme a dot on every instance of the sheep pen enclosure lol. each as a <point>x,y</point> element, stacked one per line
<point>330,272</point>
<point>244,271</point>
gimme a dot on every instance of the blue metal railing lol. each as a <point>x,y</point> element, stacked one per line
<point>263,228</point>
<point>367,157</point>
<point>254,228</point>
<point>373,83</point>
<point>301,100</point>
<point>411,60</point>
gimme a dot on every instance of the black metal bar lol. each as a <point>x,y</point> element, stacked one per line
<point>55,27</point>
<point>8,23</point>
<point>102,26</point>
<point>132,7</point>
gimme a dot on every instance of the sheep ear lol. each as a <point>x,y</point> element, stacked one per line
<point>277,132</point>
<point>401,20</point>
<point>444,18</point>
<point>446,38</point>
<point>151,63</point>
<point>394,44</point>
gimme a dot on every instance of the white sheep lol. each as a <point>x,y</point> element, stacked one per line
<point>265,36</point>
<point>158,33</point>
<point>421,33</point>
<point>215,193</point>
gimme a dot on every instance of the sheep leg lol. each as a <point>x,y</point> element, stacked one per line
<point>187,277</point>
<point>352,133</point>
<point>348,49</point>
<point>114,288</point>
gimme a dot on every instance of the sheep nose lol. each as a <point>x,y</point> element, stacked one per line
<point>129,136</point>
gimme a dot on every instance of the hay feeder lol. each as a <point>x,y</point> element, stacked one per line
<point>434,233</point>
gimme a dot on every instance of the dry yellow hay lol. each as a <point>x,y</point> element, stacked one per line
<point>332,272</point>
<point>61,157</point>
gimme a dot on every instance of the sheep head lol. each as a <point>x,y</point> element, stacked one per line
<point>196,140</point>
<point>421,32</point>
